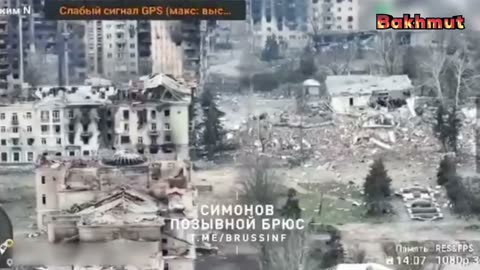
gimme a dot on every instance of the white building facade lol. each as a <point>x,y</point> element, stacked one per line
<point>334,15</point>
<point>112,49</point>
<point>167,53</point>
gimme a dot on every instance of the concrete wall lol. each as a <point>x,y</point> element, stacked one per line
<point>342,104</point>
<point>179,123</point>
<point>58,231</point>
<point>66,199</point>
<point>166,54</point>
<point>46,183</point>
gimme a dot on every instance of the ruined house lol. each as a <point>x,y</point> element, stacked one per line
<point>123,197</point>
<point>353,92</point>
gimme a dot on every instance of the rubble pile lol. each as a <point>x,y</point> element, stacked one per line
<point>338,137</point>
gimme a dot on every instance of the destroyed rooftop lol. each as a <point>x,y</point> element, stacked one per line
<point>154,87</point>
<point>366,84</point>
<point>119,159</point>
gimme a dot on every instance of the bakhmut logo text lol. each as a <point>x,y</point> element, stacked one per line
<point>385,21</point>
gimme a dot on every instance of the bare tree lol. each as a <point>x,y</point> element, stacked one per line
<point>337,60</point>
<point>388,53</point>
<point>259,186</point>
<point>434,67</point>
<point>465,72</point>
<point>293,254</point>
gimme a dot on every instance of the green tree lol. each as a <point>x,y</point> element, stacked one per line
<point>213,132</point>
<point>447,170</point>
<point>453,130</point>
<point>307,63</point>
<point>291,209</point>
<point>271,51</point>
<point>440,127</point>
<point>377,189</point>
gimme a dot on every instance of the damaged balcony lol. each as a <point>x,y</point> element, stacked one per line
<point>86,134</point>
<point>153,132</point>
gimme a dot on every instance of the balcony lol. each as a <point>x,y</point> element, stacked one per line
<point>153,132</point>
<point>45,119</point>
<point>56,120</point>
<point>14,121</point>
<point>86,134</point>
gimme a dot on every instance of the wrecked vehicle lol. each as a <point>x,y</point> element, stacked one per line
<point>424,210</point>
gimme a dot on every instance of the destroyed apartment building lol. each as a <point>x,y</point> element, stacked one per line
<point>123,197</point>
<point>81,121</point>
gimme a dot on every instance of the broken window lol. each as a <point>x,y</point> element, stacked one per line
<point>350,18</point>
<point>85,139</point>
<point>351,101</point>
<point>125,140</point>
<point>126,115</point>
<point>44,199</point>
<point>30,156</point>
<point>4,157</point>
<point>166,113</point>
<point>71,153</point>
<point>4,142</point>
<point>153,114</point>
<point>168,138</point>
<point>44,129</point>
<point>71,138</point>
<point>71,127</point>
<point>16,157</point>
<point>15,141</point>
<point>125,127</point>
<point>43,180</point>
<point>57,129</point>
<point>30,141</point>
<point>86,153</point>
<point>56,116</point>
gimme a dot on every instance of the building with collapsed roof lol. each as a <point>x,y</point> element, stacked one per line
<point>122,197</point>
<point>351,92</point>
<point>80,121</point>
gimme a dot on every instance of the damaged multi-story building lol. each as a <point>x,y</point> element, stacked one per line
<point>122,197</point>
<point>179,40</point>
<point>4,63</point>
<point>86,121</point>
<point>153,118</point>
<point>334,15</point>
<point>286,20</point>
<point>113,49</point>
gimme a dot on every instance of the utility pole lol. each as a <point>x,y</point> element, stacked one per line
<point>66,37</point>
<point>20,46</point>
<point>63,54</point>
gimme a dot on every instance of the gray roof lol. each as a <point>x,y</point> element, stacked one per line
<point>366,84</point>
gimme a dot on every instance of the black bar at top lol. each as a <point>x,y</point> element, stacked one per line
<point>233,9</point>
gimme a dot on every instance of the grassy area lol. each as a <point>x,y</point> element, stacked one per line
<point>338,203</point>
